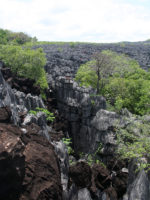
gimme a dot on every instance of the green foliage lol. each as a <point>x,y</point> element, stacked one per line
<point>72,44</point>
<point>67,142</point>
<point>93,158</point>
<point>100,163</point>
<point>134,143</point>
<point>133,94</point>
<point>90,160</point>
<point>25,63</point>
<point>125,85</point>
<point>49,116</point>
<point>99,148</point>
<point>92,102</point>
<point>33,112</point>
<point>86,76</point>
<point>16,38</point>
<point>3,36</point>
<point>60,49</point>
<point>108,63</point>
<point>71,162</point>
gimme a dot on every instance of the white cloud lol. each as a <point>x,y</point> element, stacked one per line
<point>80,20</point>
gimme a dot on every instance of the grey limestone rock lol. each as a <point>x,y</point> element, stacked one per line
<point>84,194</point>
<point>138,184</point>
<point>63,156</point>
<point>19,103</point>
<point>79,194</point>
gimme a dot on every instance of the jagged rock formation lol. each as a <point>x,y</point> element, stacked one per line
<point>65,59</point>
<point>89,124</point>
<point>28,165</point>
<point>138,184</point>
<point>42,173</point>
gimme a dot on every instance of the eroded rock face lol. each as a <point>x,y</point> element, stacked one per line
<point>22,84</point>
<point>89,124</point>
<point>19,105</point>
<point>99,181</point>
<point>12,162</point>
<point>76,105</point>
<point>61,151</point>
<point>81,174</point>
<point>5,114</point>
<point>29,168</point>
<point>138,184</point>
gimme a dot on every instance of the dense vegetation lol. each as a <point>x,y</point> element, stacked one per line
<point>23,61</point>
<point>122,82</point>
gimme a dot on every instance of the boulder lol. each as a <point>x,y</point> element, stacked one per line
<point>29,168</point>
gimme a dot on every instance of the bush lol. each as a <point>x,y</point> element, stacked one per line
<point>68,143</point>
<point>25,63</point>
<point>129,93</point>
<point>49,116</point>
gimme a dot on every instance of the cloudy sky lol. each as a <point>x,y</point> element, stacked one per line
<point>78,20</point>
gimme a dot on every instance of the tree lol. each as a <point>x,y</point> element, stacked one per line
<point>3,36</point>
<point>26,63</point>
<point>119,79</point>
<point>105,64</point>
<point>103,67</point>
<point>93,72</point>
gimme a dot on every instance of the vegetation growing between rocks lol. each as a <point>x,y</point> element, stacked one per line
<point>134,143</point>
<point>121,81</point>
<point>49,116</point>
<point>67,142</point>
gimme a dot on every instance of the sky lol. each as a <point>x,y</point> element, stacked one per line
<point>78,20</point>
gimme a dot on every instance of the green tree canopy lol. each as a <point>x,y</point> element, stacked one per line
<point>122,81</point>
<point>25,62</point>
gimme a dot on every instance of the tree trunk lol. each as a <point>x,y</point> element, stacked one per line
<point>98,79</point>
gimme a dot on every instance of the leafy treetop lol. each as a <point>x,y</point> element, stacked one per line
<point>26,63</point>
<point>119,79</point>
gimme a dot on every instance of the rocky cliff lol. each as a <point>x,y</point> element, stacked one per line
<point>89,123</point>
<point>34,160</point>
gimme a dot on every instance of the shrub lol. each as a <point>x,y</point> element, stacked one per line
<point>49,116</point>
<point>129,93</point>
<point>67,142</point>
<point>25,63</point>
<point>134,143</point>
